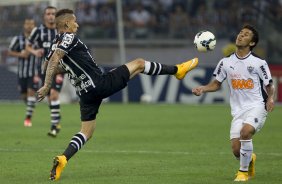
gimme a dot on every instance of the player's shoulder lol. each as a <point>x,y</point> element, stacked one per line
<point>257,59</point>
<point>228,58</point>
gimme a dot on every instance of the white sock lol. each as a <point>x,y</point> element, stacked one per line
<point>245,154</point>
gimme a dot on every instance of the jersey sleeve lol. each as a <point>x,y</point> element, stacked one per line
<point>14,45</point>
<point>264,73</point>
<point>219,72</point>
<point>67,42</point>
<point>34,36</point>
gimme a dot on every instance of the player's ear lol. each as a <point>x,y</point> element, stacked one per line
<point>252,43</point>
<point>67,25</point>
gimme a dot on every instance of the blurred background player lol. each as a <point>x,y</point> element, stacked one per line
<point>251,96</point>
<point>42,37</point>
<point>28,78</point>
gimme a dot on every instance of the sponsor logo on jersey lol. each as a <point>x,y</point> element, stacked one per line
<point>242,84</point>
<point>46,44</point>
<point>219,68</point>
<point>264,72</point>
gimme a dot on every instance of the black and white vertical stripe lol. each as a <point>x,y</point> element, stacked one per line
<point>152,68</point>
<point>26,66</point>
<point>78,140</point>
<point>42,37</point>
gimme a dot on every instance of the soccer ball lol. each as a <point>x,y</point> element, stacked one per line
<point>205,41</point>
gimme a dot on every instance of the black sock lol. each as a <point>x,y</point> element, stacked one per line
<point>77,141</point>
<point>154,68</point>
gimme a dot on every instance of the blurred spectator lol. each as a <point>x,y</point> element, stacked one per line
<point>106,21</point>
<point>87,18</point>
<point>162,20</point>
<point>178,23</point>
<point>166,4</point>
<point>141,21</point>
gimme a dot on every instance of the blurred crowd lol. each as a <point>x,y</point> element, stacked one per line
<point>176,19</point>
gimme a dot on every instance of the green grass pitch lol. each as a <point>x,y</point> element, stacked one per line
<point>136,144</point>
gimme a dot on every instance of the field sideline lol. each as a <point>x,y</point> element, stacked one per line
<point>136,144</point>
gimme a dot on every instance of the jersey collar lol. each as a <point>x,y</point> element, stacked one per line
<point>242,58</point>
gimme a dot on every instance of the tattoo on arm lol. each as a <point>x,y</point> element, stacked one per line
<point>52,66</point>
<point>60,70</point>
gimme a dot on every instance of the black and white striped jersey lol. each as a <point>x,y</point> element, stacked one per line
<point>27,67</point>
<point>82,70</point>
<point>42,37</point>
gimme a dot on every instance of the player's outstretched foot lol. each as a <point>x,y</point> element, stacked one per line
<point>242,176</point>
<point>59,164</point>
<point>184,68</point>
<point>251,171</point>
<point>55,129</point>
<point>27,123</point>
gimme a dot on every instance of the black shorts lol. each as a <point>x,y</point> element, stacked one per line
<point>109,83</point>
<point>28,83</point>
<point>57,82</point>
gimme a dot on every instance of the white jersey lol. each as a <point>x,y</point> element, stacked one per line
<point>247,78</point>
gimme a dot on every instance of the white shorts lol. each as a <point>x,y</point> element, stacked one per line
<point>254,116</point>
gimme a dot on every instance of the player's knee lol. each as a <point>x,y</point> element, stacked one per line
<point>245,135</point>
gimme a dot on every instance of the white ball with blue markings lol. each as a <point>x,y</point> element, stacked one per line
<point>205,41</point>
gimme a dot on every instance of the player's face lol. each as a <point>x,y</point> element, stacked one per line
<point>49,16</point>
<point>29,24</point>
<point>244,38</point>
<point>72,24</point>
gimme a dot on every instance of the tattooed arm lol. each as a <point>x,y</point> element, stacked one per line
<point>50,73</point>
<point>59,70</point>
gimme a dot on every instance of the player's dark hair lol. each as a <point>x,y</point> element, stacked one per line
<point>63,12</point>
<point>49,7</point>
<point>255,34</point>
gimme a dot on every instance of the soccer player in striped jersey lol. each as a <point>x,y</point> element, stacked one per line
<point>251,97</point>
<point>28,77</point>
<point>42,36</point>
<point>69,54</point>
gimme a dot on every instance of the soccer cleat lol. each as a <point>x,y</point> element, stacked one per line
<point>55,129</point>
<point>27,123</point>
<point>241,176</point>
<point>251,171</point>
<point>184,68</point>
<point>59,164</point>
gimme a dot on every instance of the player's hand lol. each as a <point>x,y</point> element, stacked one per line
<point>270,104</point>
<point>24,54</point>
<point>198,91</point>
<point>41,93</point>
<point>39,52</point>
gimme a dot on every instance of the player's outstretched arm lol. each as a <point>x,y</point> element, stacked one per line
<point>270,100</point>
<point>50,73</point>
<point>214,85</point>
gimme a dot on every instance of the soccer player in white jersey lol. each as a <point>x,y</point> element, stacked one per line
<point>251,97</point>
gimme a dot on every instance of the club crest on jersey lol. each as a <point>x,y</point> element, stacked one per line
<point>250,69</point>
